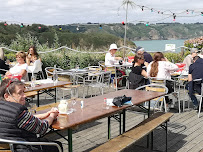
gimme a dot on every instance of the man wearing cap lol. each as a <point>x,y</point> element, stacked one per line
<point>189,58</point>
<point>110,58</point>
<point>147,56</point>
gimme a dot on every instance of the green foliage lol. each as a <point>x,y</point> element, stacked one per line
<point>66,60</point>
<point>10,56</point>
<point>174,57</point>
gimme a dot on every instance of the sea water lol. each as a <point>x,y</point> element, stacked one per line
<point>159,45</point>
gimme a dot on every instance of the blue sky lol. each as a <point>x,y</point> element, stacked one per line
<point>51,12</point>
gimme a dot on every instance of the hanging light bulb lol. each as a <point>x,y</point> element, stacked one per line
<point>5,24</point>
<point>100,26</point>
<point>123,23</point>
<point>187,11</point>
<point>142,8</point>
<point>152,10</point>
<point>21,25</point>
<point>174,17</point>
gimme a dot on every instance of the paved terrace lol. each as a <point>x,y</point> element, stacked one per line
<point>185,132</point>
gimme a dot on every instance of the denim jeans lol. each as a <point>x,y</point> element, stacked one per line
<point>191,92</point>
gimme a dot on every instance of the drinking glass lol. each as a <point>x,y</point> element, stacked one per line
<point>33,79</point>
<point>33,108</point>
<point>77,67</point>
<point>73,101</point>
<point>125,60</point>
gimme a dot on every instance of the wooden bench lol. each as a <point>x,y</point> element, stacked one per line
<point>4,148</point>
<point>128,138</point>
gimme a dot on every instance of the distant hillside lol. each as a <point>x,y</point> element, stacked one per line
<point>94,36</point>
<point>142,32</point>
<point>52,34</point>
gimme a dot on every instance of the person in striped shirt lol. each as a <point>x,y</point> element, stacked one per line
<point>17,123</point>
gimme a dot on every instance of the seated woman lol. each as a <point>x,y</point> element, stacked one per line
<point>32,56</point>
<point>136,76</point>
<point>3,66</point>
<point>21,67</point>
<point>110,58</point>
<point>160,68</point>
<point>17,123</point>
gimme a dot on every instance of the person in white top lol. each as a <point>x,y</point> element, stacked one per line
<point>160,68</point>
<point>110,58</point>
<point>21,67</point>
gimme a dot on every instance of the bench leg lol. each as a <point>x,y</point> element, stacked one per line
<point>120,124</point>
<point>166,135</point>
<point>70,142</point>
<point>148,117</point>
<point>123,120</point>
<point>37,98</point>
<point>55,95</point>
<point>165,126</point>
<point>152,140</point>
<point>109,127</point>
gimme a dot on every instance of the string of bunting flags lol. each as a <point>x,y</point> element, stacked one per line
<point>169,13</point>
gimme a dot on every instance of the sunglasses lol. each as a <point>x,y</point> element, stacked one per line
<point>11,81</point>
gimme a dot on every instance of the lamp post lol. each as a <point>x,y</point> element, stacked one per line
<point>132,4</point>
<point>126,19</point>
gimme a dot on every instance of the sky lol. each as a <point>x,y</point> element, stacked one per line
<point>59,12</point>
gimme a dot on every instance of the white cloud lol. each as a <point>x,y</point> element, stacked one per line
<point>103,11</point>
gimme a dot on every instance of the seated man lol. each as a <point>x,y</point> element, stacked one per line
<point>147,57</point>
<point>188,60</point>
<point>17,123</point>
<point>195,72</point>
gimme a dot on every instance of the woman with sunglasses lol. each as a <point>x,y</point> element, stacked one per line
<point>32,56</point>
<point>21,67</point>
<point>17,123</point>
<point>138,74</point>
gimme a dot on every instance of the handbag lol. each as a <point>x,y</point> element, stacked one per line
<point>120,100</point>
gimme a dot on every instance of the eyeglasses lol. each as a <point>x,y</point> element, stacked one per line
<point>10,81</point>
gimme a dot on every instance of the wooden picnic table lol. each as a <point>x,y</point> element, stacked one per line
<point>93,110</point>
<point>44,85</point>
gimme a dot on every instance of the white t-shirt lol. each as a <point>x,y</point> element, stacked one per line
<point>164,69</point>
<point>18,68</point>
<point>110,59</point>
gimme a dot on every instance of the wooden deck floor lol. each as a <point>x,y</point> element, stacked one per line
<point>185,133</point>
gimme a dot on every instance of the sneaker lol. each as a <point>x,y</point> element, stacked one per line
<point>196,107</point>
<point>170,101</point>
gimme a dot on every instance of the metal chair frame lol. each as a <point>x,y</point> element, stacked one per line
<point>156,88</point>
<point>154,80</point>
<point>13,142</point>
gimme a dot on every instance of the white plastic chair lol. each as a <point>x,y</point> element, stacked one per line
<point>36,69</point>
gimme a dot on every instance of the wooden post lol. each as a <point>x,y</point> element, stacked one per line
<point>182,51</point>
